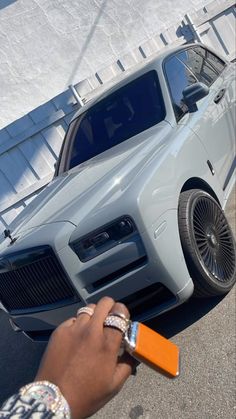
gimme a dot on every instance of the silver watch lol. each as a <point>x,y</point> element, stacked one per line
<point>50,395</point>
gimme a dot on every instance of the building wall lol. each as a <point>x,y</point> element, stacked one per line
<point>45,45</point>
<point>30,145</point>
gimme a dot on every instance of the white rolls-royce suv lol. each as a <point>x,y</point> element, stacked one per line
<point>136,208</point>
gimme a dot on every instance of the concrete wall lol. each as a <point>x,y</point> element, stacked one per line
<point>29,146</point>
<point>47,44</point>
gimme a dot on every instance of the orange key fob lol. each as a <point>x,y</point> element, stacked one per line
<point>153,349</point>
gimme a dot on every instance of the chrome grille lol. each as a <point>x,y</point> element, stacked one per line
<point>32,279</point>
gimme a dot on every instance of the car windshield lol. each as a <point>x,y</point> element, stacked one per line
<point>123,114</point>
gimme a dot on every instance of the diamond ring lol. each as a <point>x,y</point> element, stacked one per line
<point>117,322</point>
<point>85,310</point>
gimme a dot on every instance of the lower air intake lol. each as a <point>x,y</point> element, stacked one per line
<point>146,299</point>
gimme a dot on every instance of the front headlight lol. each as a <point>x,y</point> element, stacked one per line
<point>103,239</point>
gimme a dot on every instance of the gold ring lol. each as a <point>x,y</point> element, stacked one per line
<point>116,323</point>
<point>85,310</point>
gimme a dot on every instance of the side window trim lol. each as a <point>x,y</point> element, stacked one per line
<point>167,81</point>
<point>208,62</point>
<point>194,48</point>
<point>186,65</point>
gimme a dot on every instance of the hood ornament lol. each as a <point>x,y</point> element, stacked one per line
<point>7,234</point>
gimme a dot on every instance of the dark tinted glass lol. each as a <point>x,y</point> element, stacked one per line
<point>212,59</point>
<point>178,77</point>
<point>205,65</point>
<point>125,113</point>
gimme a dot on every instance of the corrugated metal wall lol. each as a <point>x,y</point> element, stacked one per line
<point>27,160</point>
<point>215,26</point>
<point>29,147</point>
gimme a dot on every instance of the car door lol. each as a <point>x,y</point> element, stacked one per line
<point>212,122</point>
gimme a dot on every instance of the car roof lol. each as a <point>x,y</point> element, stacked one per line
<point>128,75</point>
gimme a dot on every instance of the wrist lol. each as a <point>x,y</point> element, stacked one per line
<point>49,394</point>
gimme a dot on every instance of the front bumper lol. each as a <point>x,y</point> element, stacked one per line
<point>148,274</point>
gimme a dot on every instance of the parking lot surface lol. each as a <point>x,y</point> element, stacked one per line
<point>205,332</point>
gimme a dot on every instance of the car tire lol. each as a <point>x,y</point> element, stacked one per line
<point>208,243</point>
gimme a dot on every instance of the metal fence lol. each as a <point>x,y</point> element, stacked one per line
<point>29,147</point>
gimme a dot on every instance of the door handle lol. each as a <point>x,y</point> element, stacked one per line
<point>219,96</point>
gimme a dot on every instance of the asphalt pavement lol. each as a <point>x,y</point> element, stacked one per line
<point>206,388</point>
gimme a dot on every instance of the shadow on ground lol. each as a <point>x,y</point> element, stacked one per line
<point>175,321</point>
<point>19,357</point>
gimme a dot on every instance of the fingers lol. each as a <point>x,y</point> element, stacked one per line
<point>114,336</point>
<point>124,369</point>
<point>120,308</point>
<point>101,311</point>
<point>85,317</point>
<point>67,323</point>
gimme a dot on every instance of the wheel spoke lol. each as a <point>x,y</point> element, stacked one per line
<point>201,242</point>
<point>226,239</point>
<point>227,267</point>
<point>207,242</point>
<point>227,246</point>
<point>227,259</point>
<point>211,264</point>
<point>217,269</point>
<point>199,222</point>
<point>213,239</point>
<point>209,212</point>
<point>204,251</point>
<point>199,231</point>
<point>207,260</point>
<point>223,229</point>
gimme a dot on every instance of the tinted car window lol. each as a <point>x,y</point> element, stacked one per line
<point>125,113</point>
<point>178,77</point>
<point>217,63</point>
<point>201,63</point>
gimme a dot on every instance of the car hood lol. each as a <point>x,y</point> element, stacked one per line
<point>74,194</point>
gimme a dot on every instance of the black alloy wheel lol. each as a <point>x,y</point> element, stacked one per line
<point>208,243</point>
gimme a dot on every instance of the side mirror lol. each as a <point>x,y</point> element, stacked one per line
<point>192,94</point>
